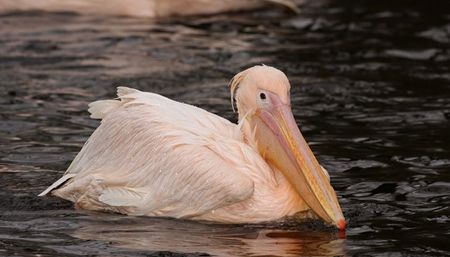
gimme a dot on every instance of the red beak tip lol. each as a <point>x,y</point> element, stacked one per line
<point>341,224</point>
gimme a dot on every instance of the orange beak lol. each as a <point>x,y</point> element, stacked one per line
<point>281,143</point>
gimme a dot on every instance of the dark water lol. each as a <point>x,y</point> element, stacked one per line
<point>371,92</point>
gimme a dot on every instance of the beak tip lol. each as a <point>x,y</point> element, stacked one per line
<point>341,224</point>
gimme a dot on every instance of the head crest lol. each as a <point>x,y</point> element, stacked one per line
<point>234,84</point>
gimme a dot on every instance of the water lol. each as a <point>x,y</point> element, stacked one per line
<point>371,92</point>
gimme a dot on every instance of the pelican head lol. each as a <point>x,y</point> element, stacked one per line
<point>261,95</point>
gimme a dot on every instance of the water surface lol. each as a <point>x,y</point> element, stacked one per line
<point>370,90</point>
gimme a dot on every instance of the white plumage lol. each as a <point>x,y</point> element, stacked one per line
<point>157,157</point>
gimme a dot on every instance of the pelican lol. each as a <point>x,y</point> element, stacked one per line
<point>140,8</point>
<point>153,156</point>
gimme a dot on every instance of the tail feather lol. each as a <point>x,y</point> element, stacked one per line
<point>123,91</point>
<point>58,183</point>
<point>99,109</point>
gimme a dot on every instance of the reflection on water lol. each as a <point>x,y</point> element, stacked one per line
<point>370,91</point>
<point>220,240</point>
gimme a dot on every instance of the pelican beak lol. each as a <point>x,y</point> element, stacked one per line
<point>281,143</point>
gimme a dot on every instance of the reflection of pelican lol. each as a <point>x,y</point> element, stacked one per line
<point>149,234</point>
<point>139,8</point>
<point>157,157</point>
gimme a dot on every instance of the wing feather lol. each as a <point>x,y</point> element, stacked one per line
<point>57,183</point>
<point>122,196</point>
<point>172,159</point>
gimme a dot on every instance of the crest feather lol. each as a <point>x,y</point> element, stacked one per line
<point>234,84</point>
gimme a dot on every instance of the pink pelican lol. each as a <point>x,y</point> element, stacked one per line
<point>154,156</point>
<point>139,8</point>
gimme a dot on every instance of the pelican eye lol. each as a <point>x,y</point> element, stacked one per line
<point>262,96</point>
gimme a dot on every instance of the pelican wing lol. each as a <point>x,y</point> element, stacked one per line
<point>159,157</point>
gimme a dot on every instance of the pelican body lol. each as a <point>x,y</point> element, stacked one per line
<point>140,8</point>
<point>153,156</point>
